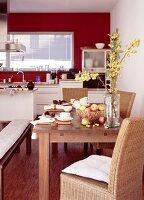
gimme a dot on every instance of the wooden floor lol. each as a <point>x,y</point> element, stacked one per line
<point>21,174</point>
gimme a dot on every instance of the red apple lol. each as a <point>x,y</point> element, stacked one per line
<point>101,120</point>
<point>88,109</point>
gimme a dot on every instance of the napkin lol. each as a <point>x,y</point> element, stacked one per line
<point>42,121</point>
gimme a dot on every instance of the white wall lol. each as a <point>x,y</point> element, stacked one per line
<point>128,17</point>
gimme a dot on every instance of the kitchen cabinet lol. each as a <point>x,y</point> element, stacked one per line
<point>45,95</point>
<point>94,59</point>
<point>17,104</point>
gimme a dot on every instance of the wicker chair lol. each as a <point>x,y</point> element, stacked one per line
<point>74,93</point>
<point>126,103</point>
<point>125,176</point>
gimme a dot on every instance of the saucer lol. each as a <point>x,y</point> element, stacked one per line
<point>63,120</point>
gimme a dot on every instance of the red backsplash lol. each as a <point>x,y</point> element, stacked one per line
<point>29,76</point>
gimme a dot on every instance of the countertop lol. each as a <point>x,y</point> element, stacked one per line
<point>13,91</point>
<point>45,84</point>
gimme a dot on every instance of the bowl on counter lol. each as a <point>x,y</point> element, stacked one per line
<point>99,45</point>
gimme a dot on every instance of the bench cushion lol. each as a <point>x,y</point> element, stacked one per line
<point>10,134</point>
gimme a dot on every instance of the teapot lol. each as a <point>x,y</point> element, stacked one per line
<point>30,85</point>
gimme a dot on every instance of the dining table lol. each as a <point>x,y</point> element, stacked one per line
<point>72,132</point>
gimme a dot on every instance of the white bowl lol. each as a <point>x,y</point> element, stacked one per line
<point>67,108</point>
<point>99,45</point>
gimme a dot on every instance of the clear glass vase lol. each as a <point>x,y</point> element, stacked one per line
<point>112,110</point>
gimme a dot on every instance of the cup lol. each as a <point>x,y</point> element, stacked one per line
<point>72,101</point>
<point>38,79</point>
<point>76,104</point>
<point>48,77</point>
<point>4,80</point>
<point>64,76</point>
<point>64,115</point>
<point>9,80</point>
<point>67,108</point>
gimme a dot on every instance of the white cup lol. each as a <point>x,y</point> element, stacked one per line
<point>64,76</point>
<point>84,101</point>
<point>48,77</point>
<point>76,104</point>
<point>64,115</point>
<point>72,100</point>
<point>67,108</point>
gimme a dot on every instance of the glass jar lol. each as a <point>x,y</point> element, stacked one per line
<point>112,110</point>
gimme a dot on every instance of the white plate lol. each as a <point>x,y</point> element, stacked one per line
<point>66,120</point>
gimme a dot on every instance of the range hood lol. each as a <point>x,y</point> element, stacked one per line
<point>5,44</point>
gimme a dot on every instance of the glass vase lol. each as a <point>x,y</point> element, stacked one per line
<point>112,110</point>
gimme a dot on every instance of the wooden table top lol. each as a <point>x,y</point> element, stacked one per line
<point>75,127</point>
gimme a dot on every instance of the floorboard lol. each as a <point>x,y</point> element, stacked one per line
<point>21,174</point>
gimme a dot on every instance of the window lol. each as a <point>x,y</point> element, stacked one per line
<point>43,51</point>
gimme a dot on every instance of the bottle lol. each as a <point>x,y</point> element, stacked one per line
<point>56,80</point>
<point>30,85</point>
<point>53,74</point>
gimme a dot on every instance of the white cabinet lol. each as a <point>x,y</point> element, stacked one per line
<point>44,96</point>
<point>94,59</point>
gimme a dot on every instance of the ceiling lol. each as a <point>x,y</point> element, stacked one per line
<point>58,6</point>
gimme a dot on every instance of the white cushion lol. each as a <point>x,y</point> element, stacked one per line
<point>10,134</point>
<point>95,167</point>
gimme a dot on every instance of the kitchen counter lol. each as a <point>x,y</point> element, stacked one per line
<point>17,104</point>
<point>45,84</point>
<point>12,91</point>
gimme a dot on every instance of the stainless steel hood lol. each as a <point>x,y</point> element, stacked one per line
<point>5,44</point>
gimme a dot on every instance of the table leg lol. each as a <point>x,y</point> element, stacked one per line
<point>85,150</point>
<point>44,154</point>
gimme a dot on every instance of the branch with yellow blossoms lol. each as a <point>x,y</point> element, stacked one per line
<point>116,57</point>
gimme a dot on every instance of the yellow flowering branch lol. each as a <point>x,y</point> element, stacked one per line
<point>116,58</point>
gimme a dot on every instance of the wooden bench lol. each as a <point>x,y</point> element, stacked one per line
<point>11,138</point>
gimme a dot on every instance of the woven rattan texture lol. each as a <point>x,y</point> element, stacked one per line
<point>126,103</point>
<point>125,178</point>
<point>74,93</point>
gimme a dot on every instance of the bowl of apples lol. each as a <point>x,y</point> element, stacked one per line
<point>93,113</point>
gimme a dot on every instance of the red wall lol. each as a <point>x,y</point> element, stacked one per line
<point>88,28</point>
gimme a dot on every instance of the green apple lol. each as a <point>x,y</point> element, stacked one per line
<point>82,108</point>
<point>94,107</point>
<point>85,121</point>
<point>101,107</point>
